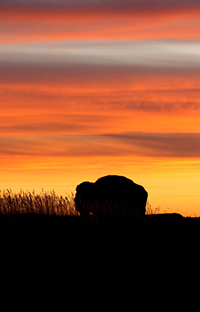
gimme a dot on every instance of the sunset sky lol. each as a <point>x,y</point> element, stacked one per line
<point>96,87</point>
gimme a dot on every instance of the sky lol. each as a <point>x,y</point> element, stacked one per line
<point>96,87</point>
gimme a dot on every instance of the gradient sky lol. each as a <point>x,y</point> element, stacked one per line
<point>89,88</point>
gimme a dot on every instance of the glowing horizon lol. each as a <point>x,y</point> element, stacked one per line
<point>94,88</point>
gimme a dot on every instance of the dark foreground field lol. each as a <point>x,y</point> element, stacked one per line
<point>38,232</point>
<point>36,245</point>
<point>32,230</point>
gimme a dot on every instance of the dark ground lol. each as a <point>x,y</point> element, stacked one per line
<point>94,262</point>
<point>45,246</point>
<point>37,231</point>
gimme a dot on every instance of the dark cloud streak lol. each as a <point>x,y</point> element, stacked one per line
<point>52,124</point>
<point>113,5</point>
<point>161,144</point>
<point>63,72</point>
<point>172,145</point>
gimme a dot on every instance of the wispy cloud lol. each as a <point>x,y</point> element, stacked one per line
<point>160,144</point>
<point>94,92</point>
<point>53,125</point>
<point>26,21</point>
<point>171,145</point>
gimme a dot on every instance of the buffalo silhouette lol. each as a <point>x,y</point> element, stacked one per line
<point>111,195</point>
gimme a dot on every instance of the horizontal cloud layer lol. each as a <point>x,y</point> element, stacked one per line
<point>114,3</point>
<point>161,144</point>
<point>137,54</point>
<point>26,21</point>
<point>177,145</point>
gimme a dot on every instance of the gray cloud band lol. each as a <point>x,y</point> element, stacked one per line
<point>137,54</point>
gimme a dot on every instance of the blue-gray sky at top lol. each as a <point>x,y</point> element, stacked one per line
<point>108,4</point>
<point>131,2</point>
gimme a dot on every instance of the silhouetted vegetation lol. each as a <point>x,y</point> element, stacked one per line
<point>47,203</point>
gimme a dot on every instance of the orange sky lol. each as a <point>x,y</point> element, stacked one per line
<point>44,23</point>
<point>92,90</point>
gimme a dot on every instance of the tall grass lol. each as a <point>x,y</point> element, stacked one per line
<point>44,203</point>
<point>150,210</point>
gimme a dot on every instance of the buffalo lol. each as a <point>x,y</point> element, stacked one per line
<point>111,195</point>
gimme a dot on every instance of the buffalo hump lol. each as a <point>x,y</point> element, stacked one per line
<point>113,195</point>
